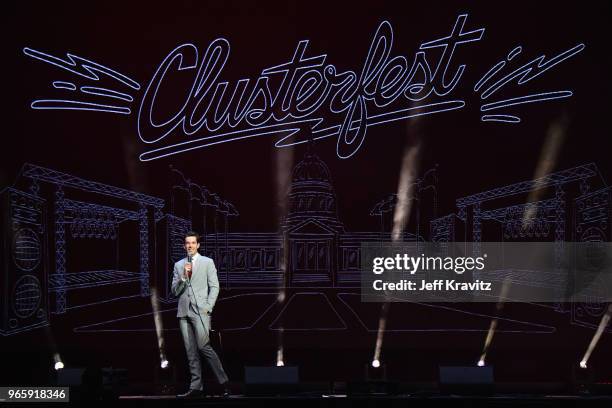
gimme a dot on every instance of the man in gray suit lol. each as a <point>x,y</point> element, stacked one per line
<point>196,285</point>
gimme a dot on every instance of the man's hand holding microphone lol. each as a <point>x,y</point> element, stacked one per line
<point>188,268</point>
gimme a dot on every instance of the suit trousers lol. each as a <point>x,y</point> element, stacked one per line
<point>197,343</point>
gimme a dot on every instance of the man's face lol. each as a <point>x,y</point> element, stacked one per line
<point>191,245</point>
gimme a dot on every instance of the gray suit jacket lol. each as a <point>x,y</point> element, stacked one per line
<point>205,286</point>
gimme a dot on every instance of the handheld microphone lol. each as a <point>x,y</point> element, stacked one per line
<point>189,259</point>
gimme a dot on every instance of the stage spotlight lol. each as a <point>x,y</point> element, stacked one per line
<point>159,328</point>
<point>405,192</point>
<point>605,320</point>
<point>401,214</point>
<point>59,364</point>
<point>280,360</point>
<point>493,326</point>
<point>549,154</point>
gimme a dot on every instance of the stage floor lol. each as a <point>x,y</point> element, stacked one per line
<point>404,400</point>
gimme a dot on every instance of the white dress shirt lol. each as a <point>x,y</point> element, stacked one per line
<point>193,261</point>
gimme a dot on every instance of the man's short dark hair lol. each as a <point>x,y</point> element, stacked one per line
<point>193,234</point>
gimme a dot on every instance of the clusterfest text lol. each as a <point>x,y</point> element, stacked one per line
<point>307,85</point>
<point>300,99</point>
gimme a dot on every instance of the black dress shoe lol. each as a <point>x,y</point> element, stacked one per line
<point>226,389</point>
<point>191,394</point>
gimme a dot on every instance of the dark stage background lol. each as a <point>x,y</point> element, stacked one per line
<point>95,253</point>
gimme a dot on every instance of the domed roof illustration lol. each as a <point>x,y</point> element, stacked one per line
<point>312,195</point>
<point>311,169</point>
